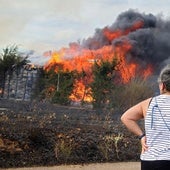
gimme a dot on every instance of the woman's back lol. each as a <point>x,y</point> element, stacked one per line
<point>157,127</point>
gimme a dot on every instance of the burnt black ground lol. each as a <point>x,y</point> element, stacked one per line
<point>44,134</point>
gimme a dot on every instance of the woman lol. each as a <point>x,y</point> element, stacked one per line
<point>155,141</point>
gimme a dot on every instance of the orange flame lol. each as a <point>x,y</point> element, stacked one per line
<point>81,93</point>
<point>111,35</point>
<point>77,58</point>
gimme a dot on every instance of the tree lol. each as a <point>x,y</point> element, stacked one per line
<point>10,60</point>
<point>62,93</point>
<point>58,85</point>
<point>102,85</point>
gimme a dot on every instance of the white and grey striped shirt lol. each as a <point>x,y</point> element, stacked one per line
<point>157,127</point>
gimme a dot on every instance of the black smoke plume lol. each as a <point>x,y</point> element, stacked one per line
<point>151,42</point>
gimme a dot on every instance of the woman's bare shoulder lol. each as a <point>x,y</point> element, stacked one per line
<point>146,101</point>
<point>145,104</point>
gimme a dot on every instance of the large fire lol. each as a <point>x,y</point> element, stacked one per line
<point>75,57</point>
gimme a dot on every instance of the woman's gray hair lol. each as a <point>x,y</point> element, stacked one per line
<point>164,77</point>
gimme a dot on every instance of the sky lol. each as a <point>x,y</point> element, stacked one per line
<point>37,26</point>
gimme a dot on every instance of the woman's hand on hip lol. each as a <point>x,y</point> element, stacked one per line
<point>143,144</point>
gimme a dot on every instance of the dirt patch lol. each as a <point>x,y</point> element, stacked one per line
<point>103,166</point>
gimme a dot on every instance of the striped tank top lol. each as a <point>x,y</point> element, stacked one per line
<point>157,127</point>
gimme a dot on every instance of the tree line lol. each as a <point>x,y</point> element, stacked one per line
<point>107,91</point>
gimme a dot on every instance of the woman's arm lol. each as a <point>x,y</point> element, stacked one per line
<point>130,118</point>
<point>132,115</point>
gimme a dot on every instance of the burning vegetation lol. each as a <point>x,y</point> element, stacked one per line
<point>138,42</point>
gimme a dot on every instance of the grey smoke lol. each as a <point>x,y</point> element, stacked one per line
<point>151,43</point>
